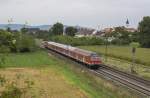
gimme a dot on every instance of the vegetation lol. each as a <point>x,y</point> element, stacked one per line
<point>77,41</point>
<point>16,42</point>
<point>50,67</point>
<point>42,34</point>
<point>11,89</point>
<point>25,43</point>
<point>57,29</point>
<point>139,69</point>
<point>123,52</point>
<point>6,39</point>
<point>70,31</point>
<point>144,28</point>
<point>122,37</point>
<point>24,30</point>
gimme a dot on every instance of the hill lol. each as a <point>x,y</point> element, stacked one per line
<point>19,26</point>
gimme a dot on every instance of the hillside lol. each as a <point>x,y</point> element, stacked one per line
<point>19,26</point>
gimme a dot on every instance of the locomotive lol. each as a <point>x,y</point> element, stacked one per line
<point>90,59</point>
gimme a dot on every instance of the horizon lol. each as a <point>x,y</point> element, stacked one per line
<point>34,25</point>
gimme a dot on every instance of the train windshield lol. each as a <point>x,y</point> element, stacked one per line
<point>94,55</point>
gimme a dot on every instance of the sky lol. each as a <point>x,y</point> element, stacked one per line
<point>88,13</point>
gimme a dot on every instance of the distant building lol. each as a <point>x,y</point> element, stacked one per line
<point>84,32</point>
<point>131,30</point>
<point>88,32</point>
<point>108,30</point>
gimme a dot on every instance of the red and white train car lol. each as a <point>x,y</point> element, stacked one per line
<point>87,57</point>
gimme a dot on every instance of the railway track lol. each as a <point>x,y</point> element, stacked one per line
<point>133,82</point>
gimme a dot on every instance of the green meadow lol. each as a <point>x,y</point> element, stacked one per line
<point>75,80</point>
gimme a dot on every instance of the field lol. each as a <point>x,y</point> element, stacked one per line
<point>54,78</point>
<point>121,57</point>
<point>123,52</point>
<point>46,83</point>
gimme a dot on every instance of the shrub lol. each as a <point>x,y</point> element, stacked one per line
<point>16,42</point>
<point>135,44</point>
<point>77,41</point>
<point>121,41</point>
<point>25,44</point>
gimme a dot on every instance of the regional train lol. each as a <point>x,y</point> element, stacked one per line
<point>90,59</point>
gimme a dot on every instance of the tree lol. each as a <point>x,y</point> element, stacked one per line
<point>24,30</point>
<point>120,29</point>
<point>42,34</point>
<point>144,35</point>
<point>5,38</point>
<point>70,31</point>
<point>8,29</point>
<point>5,41</point>
<point>25,43</point>
<point>57,29</point>
<point>121,36</point>
<point>16,42</point>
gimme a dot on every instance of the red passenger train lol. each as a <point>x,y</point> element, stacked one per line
<point>89,58</point>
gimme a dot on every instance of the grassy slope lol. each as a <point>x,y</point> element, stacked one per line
<point>142,54</point>
<point>93,87</point>
<point>51,85</point>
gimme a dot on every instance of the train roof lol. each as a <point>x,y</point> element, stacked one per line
<point>77,50</point>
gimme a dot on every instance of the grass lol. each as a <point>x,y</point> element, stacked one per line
<point>35,59</point>
<point>123,52</point>
<point>120,57</point>
<point>141,70</point>
<point>84,83</point>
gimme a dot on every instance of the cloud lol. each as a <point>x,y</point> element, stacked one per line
<point>75,12</point>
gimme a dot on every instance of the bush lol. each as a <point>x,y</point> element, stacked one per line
<point>121,42</point>
<point>77,41</point>
<point>135,44</point>
<point>16,42</point>
<point>12,89</point>
<point>25,44</point>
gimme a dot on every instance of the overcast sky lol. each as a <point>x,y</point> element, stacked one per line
<point>91,13</point>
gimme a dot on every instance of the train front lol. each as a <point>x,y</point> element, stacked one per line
<point>95,61</point>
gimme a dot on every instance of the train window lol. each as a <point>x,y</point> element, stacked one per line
<point>94,55</point>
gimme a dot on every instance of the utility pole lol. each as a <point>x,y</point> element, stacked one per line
<point>26,24</point>
<point>133,60</point>
<point>106,47</point>
<point>64,31</point>
<point>9,24</point>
